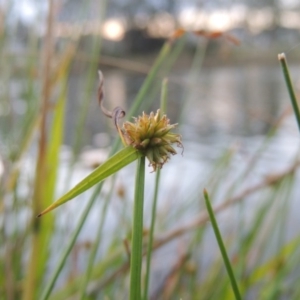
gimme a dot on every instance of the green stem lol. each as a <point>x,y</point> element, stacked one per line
<point>289,84</point>
<point>33,279</point>
<point>137,232</point>
<point>96,244</point>
<point>222,247</point>
<point>70,244</point>
<point>150,242</point>
<point>163,54</point>
<point>163,107</point>
<point>164,96</point>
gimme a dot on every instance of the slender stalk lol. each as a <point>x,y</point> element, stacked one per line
<point>163,105</point>
<point>222,247</point>
<point>167,61</point>
<point>164,96</point>
<point>96,244</point>
<point>32,281</point>
<point>289,84</point>
<point>71,242</point>
<point>150,242</point>
<point>162,56</point>
<point>137,232</point>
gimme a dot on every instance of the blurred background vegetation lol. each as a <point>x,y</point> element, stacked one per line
<point>240,137</point>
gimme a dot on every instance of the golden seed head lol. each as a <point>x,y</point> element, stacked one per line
<point>152,135</point>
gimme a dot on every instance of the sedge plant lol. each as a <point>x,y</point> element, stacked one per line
<point>165,54</point>
<point>148,136</point>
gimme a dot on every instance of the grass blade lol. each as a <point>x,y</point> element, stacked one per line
<point>71,242</point>
<point>115,163</point>
<point>96,244</point>
<point>222,247</point>
<point>52,161</point>
<point>289,84</point>
<point>163,54</point>
<point>33,280</point>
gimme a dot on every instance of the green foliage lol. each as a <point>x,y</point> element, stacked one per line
<point>108,168</point>
<point>45,259</point>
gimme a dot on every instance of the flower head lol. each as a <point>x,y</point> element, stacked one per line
<point>152,135</point>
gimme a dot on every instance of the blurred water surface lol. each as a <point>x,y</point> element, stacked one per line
<point>238,101</point>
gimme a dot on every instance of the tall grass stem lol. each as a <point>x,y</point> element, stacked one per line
<point>150,242</point>
<point>34,268</point>
<point>96,244</point>
<point>137,232</point>
<point>163,106</point>
<point>163,55</point>
<point>289,85</point>
<point>71,242</point>
<point>222,247</point>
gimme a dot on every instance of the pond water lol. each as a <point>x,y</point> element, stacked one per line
<point>218,109</point>
<point>237,101</point>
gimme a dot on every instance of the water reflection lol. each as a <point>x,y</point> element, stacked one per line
<point>242,100</point>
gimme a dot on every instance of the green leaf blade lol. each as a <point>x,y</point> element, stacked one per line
<point>223,251</point>
<point>115,163</point>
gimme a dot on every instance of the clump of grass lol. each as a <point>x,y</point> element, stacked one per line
<point>262,269</point>
<point>150,136</point>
